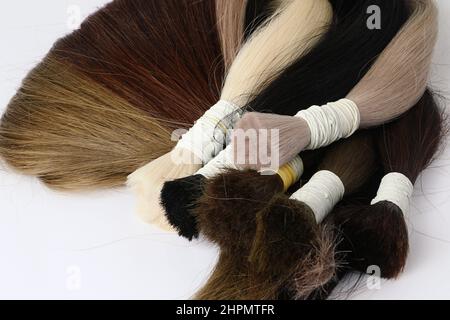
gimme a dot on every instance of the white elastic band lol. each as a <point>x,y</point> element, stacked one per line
<point>396,188</point>
<point>207,137</point>
<point>323,191</point>
<point>331,122</point>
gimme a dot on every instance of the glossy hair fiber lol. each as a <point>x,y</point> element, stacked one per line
<point>231,16</point>
<point>377,234</point>
<point>396,239</point>
<point>236,21</point>
<point>324,269</point>
<point>328,71</point>
<point>394,83</point>
<point>98,107</point>
<point>324,75</point>
<point>364,235</point>
<point>291,31</point>
<point>254,226</point>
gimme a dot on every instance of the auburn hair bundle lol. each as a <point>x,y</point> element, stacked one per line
<point>372,228</point>
<point>98,107</point>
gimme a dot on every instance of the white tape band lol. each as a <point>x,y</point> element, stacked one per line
<point>323,191</point>
<point>396,188</point>
<point>331,122</point>
<point>207,137</point>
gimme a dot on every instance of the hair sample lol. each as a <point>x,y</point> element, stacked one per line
<point>377,234</point>
<point>323,65</point>
<point>291,31</point>
<point>125,97</point>
<point>73,133</point>
<point>129,55</point>
<point>231,19</point>
<point>232,230</point>
<point>227,217</point>
<point>283,230</point>
<point>337,63</point>
<point>235,278</point>
<point>399,76</point>
<point>226,193</point>
<point>393,84</point>
<point>236,21</point>
<point>303,231</point>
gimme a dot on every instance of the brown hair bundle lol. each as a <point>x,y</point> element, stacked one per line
<point>377,234</point>
<point>267,266</point>
<point>256,227</point>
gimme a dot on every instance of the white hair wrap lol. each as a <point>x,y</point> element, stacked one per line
<point>207,137</point>
<point>323,191</point>
<point>331,122</point>
<point>396,188</point>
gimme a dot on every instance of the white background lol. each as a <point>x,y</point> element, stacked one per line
<point>91,246</point>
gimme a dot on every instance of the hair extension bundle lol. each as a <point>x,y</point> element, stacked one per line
<point>247,190</point>
<point>331,69</point>
<point>377,234</point>
<point>277,240</point>
<point>98,107</point>
<point>348,36</point>
<point>290,32</point>
<point>226,216</point>
<point>393,85</point>
<point>237,278</point>
<point>297,218</point>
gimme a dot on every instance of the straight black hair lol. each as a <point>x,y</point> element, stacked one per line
<point>340,60</point>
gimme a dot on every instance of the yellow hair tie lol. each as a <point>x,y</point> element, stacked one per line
<point>290,173</point>
<point>287,175</point>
